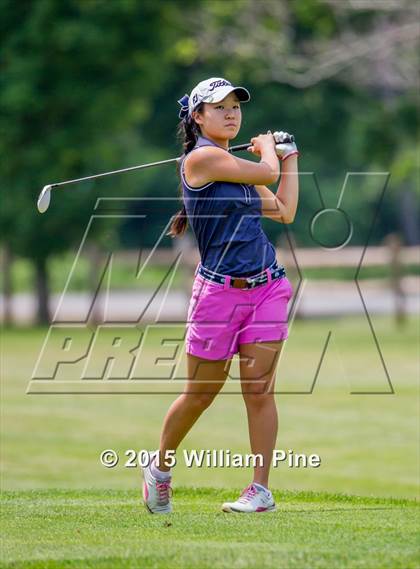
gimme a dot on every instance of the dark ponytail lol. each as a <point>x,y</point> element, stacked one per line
<point>187,133</point>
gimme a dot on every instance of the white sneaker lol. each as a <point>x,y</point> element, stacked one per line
<point>252,500</point>
<point>156,493</point>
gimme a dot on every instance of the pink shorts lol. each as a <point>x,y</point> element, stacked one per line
<point>221,317</point>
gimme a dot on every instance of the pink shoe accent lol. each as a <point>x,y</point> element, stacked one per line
<point>248,494</point>
<point>164,489</point>
<point>145,490</point>
<point>261,509</point>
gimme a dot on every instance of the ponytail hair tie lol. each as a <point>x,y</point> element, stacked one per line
<point>184,102</point>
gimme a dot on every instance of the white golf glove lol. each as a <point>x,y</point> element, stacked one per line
<point>285,145</point>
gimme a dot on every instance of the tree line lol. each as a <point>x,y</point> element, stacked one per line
<point>91,85</point>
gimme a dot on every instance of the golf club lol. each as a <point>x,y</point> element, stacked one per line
<point>44,198</point>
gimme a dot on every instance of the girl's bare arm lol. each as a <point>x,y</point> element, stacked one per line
<point>211,164</point>
<point>282,206</point>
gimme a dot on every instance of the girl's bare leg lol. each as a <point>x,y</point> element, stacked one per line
<point>205,379</point>
<point>258,364</point>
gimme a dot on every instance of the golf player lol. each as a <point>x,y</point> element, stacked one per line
<point>240,293</point>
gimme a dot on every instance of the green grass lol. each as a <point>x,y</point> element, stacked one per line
<point>123,275</point>
<point>368,443</point>
<point>110,529</point>
<point>63,509</point>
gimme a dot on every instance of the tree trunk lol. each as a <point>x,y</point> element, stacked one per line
<point>42,291</point>
<point>7,261</point>
<point>95,258</point>
<point>394,242</point>
<point>409,217</point>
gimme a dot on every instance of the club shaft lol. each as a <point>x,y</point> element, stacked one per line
<point>239,147</point>
<point>236,148</point>
<point>141,167</point>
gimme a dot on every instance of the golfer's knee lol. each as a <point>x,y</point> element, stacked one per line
<point>257,395</point>
<point>200,400</point>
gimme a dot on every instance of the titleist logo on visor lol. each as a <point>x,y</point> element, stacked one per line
<point>216,84</point>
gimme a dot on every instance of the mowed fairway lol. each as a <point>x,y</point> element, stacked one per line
<point>58,528</point>
<point>61,508</point>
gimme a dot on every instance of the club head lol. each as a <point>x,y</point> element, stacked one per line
<point>44,199</point>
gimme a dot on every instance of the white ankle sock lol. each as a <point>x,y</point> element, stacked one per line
<point>261,487</point>
<point>160,474</point>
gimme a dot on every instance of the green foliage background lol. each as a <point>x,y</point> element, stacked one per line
<point>92,85</point>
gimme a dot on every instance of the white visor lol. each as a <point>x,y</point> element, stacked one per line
<point>214,90</point>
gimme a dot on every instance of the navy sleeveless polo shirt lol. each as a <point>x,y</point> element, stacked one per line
<point>226,220</point>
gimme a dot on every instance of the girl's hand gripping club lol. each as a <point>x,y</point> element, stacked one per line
<point>285,145</point>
